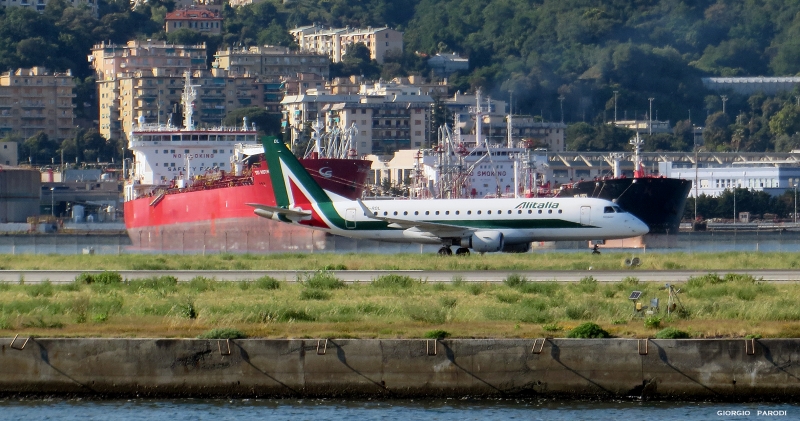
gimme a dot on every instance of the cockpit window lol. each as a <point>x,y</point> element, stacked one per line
<point>608,209</point>
<point>618,209</point>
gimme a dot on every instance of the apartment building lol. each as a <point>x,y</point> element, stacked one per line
<point>333,42</point>
<point>113,62</point>
<point>156,95</point>
<point>35,100</point>
<point>39,5</point>
<point>386,116</point>
<point>110,59</point>
<point>194,18</point>
<point>271,62</point>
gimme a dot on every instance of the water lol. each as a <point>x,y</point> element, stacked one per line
<point>363,410</point>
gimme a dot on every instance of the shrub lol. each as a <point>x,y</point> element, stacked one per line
<point>576,312</point>
<point>267,282</point>
<point>100,317</point>
<point>630,280</point>
<point>588,330</point>
<point>701,281</point>
<point>105,278</point>
<point>437,334</point>
<point>157,283</point>
<point>292,315</point>
<point>186,309</point>
<point>338,266</point>
<point>448,302</point>
<point>508,298</point>
<point>202,284</point>
<point>671,333</point>
<point>475,288</point>
<point>735,277</point>
<point>652,322</point>
<point>314,294</point>
<point>323,280</point>
<point>457,281</point>
<point>393,281</point>
<point>45,289</point>
<point>552,327</point>
<point>223,333</point>
<point>546,288</point>
<point>587,284</point>
<point>515,280</point>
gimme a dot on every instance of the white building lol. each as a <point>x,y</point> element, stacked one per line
<point>333,42</point>
<point>711,180</point>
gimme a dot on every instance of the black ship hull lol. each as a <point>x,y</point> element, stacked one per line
<point>658,202</point>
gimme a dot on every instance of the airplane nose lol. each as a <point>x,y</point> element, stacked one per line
<point>639,227</point>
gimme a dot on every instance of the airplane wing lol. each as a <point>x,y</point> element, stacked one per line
<point>289,213</point>
<point>431,229</point>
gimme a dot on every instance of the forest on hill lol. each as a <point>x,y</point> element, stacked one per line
<point>548,53</point>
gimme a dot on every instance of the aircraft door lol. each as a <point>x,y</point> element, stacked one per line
<point>350,218</point>
<point>586,215</point>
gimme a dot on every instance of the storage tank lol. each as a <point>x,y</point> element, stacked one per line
<point>77,213</point>
<point>20,192</point>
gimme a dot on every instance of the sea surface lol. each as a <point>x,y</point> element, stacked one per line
<point>364,410</point>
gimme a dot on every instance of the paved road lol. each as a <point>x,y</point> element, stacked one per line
<point>64,276</point>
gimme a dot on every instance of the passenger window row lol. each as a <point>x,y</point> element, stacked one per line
<point>469,212</point>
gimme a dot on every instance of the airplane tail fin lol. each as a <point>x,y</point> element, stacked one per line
<point>292,184</point>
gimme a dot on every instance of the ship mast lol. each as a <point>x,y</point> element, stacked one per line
<point>637,143</point>
<point>187,100</point>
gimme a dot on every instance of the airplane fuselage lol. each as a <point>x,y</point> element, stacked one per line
<point>519,220</point>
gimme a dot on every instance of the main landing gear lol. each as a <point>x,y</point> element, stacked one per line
<point>446,251</point>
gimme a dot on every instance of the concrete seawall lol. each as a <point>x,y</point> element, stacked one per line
<point>703,369</point>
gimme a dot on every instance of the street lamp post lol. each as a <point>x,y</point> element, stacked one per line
<point>561,98</point>
<point>795,203</point>
<point>695,183</point>
<point>724,100</point>
<point>650,116</point>
<point>615,106</point>
<point>52,202</point>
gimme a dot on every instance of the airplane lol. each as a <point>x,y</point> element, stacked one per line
<point>480,225</point>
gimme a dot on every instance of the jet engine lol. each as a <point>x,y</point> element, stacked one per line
<point>517,248</point>
<point>486,241</point>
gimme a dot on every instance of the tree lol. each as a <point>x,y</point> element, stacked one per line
<point>39,149</point>
<point>786,121</point>
<point>716,135</point>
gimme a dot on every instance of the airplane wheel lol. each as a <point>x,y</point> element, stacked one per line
<point>445,251</point>
<point>462,251</point>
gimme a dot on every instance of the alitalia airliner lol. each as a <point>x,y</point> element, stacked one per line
<point>480,225</point>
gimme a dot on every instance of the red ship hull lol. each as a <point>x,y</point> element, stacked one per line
<point>217,219</point>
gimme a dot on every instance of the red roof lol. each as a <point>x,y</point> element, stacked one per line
<point>194,14</point>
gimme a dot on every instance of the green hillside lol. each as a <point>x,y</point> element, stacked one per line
<point>583,50</point>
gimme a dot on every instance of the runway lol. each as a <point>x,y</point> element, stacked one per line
<point>353,276</point>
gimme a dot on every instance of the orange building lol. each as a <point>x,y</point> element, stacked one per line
<point>196,19</point>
